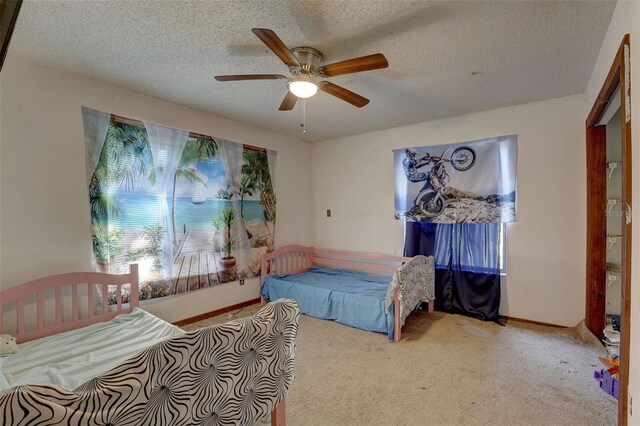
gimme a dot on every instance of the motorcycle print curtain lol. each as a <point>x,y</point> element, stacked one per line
<point>469,182</point>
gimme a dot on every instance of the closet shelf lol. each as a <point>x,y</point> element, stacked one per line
<point>614,267</point>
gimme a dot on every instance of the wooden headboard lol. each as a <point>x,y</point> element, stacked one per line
<point>35,290</point>
<point>294,259</point>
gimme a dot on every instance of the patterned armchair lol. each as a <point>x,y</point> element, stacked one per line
<point>229,374</point>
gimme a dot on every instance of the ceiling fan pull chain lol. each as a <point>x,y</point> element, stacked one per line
<point>304,116</point>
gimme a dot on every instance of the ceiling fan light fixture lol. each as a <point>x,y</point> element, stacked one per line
<point>307,68</point>
<point>302,88</point>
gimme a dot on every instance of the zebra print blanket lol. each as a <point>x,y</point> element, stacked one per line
<point>229,374</point>
<point>415,282</point>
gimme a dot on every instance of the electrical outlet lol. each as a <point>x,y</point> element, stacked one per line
<point>328,213</point>
<point>241,281</point>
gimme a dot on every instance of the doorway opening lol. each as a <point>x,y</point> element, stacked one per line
<point>608,281</point>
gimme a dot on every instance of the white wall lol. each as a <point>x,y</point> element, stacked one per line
<point>44,209</point>
<point>626,20</point>
<point>353,177</point>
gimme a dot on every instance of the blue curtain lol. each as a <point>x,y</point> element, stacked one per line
<point>467,265</point>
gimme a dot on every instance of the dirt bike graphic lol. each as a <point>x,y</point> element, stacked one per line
<point>430,201</point>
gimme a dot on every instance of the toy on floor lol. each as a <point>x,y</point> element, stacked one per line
<point>608,380</point>
<point>612,361</point>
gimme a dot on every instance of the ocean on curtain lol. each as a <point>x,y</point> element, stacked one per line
<point>467,265</point>
<point>232,159</point>
<point>166,146</point>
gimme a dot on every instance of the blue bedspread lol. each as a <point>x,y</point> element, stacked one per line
<point>348,297</point>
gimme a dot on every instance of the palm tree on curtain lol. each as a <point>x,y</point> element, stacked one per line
<point>256,166</point>
<point>247,187</point>
<point>125,157</point>
<point>195,151</point>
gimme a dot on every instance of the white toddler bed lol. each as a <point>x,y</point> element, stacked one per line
<point>69,359</point>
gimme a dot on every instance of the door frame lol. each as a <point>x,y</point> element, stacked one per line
<point>618,78</point>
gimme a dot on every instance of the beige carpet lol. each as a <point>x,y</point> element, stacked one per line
<point>447,370</point>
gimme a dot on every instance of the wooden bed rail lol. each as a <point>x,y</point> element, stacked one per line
<point>295,259</point>
<point>93,280</point>
<point>374,263</point>
<point>291,259</point>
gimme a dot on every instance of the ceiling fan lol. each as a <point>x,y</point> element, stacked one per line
<point>307,69</point>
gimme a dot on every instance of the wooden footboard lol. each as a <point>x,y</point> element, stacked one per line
<point>33,293</point>
<point>278,416</point>
<point>397,333</point>
<point>295,259</point>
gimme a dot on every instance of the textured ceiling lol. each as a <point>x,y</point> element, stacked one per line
<point>446,58</point>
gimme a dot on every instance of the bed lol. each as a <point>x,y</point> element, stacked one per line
<point>98,362</point>
<point>370,291</point>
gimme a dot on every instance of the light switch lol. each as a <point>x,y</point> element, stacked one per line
<point>328,213</point>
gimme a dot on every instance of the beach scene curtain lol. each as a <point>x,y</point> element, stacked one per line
<point>468,182</point>
<point>193,211</point>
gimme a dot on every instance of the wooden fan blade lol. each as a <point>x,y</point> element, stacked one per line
<point>363,63</point>
<point>241,77</point>
<point>276,45</point>
<point>344,94</point>
<point>288,102</point>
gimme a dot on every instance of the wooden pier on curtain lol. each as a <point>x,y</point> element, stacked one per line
<point>197,264</point>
